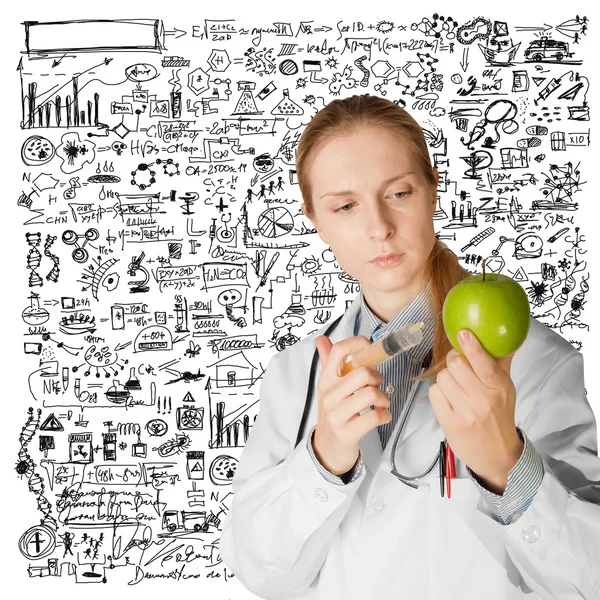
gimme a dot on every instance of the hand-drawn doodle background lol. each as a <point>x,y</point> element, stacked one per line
<point>161,258</point>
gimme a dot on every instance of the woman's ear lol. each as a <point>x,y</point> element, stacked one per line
<point>314,223</point>
<point>437,179</point>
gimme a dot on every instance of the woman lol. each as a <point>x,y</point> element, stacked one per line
<point>328,518</point>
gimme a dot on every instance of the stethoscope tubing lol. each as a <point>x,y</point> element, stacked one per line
<point>406,478</point>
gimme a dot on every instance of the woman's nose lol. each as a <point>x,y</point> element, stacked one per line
<point>379,223</point>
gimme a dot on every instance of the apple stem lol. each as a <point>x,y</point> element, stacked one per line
<point>483,267</point>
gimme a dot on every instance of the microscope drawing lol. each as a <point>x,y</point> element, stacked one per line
<point>134,266</point>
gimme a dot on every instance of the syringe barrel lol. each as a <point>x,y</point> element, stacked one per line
<point>392,344</point>
<point>402,340</point>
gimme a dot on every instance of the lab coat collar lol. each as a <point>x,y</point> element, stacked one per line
<point>421,415</point>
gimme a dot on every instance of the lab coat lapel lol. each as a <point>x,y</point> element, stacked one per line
<point>421,413</point>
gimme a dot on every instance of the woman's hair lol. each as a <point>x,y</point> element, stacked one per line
<point>344,116</point>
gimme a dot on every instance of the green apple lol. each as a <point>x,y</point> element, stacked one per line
<point>491,305</point>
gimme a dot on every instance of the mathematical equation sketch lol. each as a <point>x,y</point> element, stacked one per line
<point>164,257</point>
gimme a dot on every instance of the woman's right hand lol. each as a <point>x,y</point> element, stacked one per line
<point>340,427</point>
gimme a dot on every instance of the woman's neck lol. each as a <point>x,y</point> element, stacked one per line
<point>385,306</point>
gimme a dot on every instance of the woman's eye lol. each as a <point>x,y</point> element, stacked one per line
<point>398,195</point>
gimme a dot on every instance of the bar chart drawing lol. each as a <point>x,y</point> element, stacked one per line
<point>64,107</point>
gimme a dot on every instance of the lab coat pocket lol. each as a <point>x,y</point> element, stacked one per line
<point>463,490</point>
<point>466,556</point>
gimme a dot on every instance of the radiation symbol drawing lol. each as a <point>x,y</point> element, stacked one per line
<point>190,417</point>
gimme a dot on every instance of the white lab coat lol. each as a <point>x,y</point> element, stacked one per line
<point>290,533</point>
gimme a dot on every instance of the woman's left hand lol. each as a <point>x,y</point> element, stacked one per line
<point>474,400</point>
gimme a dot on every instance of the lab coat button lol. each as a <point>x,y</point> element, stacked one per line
<point>390,389</point>
<point>321,494</point>
<point>531,534</point>
<point>378,503</point>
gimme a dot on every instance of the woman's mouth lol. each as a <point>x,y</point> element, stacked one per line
<point>387,261</point>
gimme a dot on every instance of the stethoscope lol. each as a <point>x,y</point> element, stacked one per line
<point>440,455</point>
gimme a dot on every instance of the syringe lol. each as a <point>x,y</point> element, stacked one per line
<point>387,347</point>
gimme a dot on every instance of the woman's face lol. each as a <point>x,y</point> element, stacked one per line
<point>362,211</point>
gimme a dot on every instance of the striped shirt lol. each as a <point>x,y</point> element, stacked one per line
<point>523,479</point>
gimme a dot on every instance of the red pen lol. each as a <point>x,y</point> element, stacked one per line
<point>450,467</point>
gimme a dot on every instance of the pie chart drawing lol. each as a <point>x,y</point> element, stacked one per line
<point>275,222</point>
